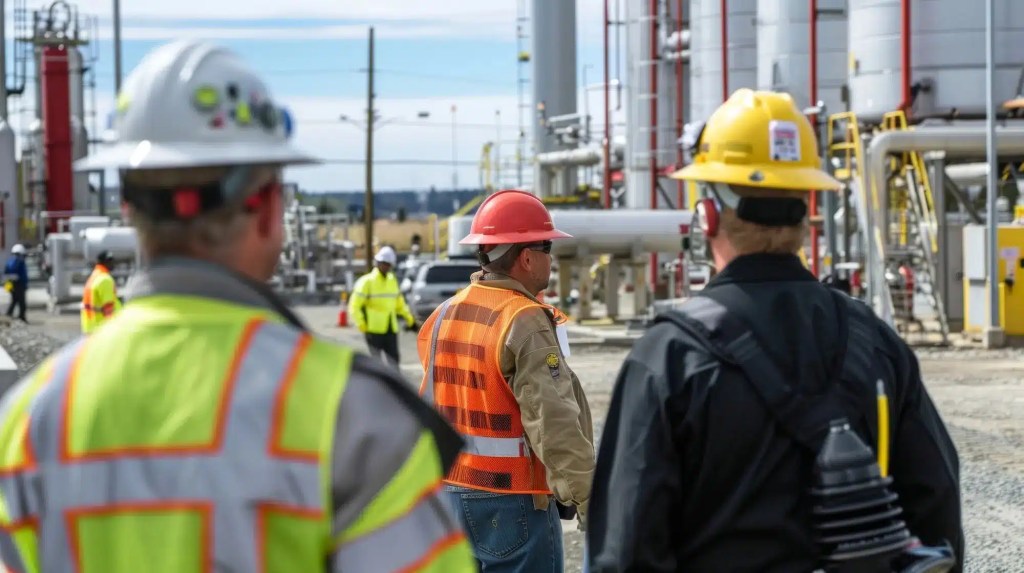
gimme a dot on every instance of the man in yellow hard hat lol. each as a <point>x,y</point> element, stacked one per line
<point>204,428</point>
<point>766,398</point>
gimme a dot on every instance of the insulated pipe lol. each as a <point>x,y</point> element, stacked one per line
<point>584,157</point>
<point>607,195</point>
<point>813,88</point>
<point>725,51</point>
<point>955,142</point>
<point>905,54</point>
<point>680,109</point>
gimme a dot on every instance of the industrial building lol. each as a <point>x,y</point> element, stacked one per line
<point>897,89</point>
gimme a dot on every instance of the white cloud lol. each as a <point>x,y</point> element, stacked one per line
<point>151,19</point>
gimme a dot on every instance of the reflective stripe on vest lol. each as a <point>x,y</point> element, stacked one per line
<point>497,456</point>
<point>250,494</point>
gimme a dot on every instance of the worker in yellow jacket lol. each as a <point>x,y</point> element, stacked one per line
<point>99,301</point>
<point>204,427</point>
<point>376,305</point>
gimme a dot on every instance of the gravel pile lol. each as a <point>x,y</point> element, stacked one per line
<point>27,345</point>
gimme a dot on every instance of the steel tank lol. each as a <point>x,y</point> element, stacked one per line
<point>554,84</point>
<point>783,48</point>
<point>947,56</point>
<point>707,53</point>
<point>651,74</point>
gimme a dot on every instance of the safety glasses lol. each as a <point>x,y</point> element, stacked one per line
<point>543,247</point>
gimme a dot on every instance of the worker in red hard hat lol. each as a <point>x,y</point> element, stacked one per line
<point>494,363</point>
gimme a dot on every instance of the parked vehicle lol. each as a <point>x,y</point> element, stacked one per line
<point>436,281</point>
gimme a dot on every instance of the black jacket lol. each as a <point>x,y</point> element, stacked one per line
<point>693,474</point>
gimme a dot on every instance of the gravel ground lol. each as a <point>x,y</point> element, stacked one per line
<point>979,393</point>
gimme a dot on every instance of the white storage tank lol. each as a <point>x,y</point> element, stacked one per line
<point>706,53</point>
<point>783,48</point>
<point>947,54</point>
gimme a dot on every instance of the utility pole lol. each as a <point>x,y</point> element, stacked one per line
<point>455,156</point>
<point>368,205</point>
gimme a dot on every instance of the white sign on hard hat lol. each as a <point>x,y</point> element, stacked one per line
<point>192,104</point>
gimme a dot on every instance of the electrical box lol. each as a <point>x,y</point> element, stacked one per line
<point>1010,246</point>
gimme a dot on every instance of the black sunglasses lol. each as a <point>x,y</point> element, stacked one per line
<point>544,247</point>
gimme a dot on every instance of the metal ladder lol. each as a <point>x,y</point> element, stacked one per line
<point>919,224</point>
<point>846,145</point>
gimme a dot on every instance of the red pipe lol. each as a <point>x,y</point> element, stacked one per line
<point>57,130</point>
<point>654,125</point>
<point>607,109</point>
<point>905,54</point>
<point>725,51</point>
<point>680,110</point>
<point>813,207</point>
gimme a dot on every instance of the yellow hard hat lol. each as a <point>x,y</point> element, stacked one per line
<point>759,139</point>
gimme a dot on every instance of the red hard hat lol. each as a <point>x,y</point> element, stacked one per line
<point>512,217</point>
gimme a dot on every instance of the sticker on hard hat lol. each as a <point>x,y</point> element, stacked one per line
<point>785,140</point>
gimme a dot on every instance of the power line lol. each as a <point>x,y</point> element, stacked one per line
<point>444,77</point>
<point>448,125</point>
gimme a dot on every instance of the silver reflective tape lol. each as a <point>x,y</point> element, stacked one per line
<point>428,390</point>
<point>495,447</point>
<point>402,543</point>
<point>235,479</point>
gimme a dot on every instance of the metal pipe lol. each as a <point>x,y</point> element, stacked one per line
<point>117,47</point>
<point>905,54</point>
<point>813,87</point>
<point>653,159</point>
<point>680,109</point>
<point>607,194</point>
<point>955,142</point>
<point>583,157</point>
<point>725,51</point>
<point>3,61</point>
<point>653,141</point>
<point>992,263</point>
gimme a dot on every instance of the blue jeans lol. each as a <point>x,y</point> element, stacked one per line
<point>508,535</point>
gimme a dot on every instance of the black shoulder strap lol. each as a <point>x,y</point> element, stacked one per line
<point>803,417</point>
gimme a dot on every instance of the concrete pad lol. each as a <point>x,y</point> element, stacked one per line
<point>8,372</point>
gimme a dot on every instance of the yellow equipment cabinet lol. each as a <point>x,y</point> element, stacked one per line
<point>1010,245</point>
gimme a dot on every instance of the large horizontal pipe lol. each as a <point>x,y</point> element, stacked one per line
<point>570,158</point>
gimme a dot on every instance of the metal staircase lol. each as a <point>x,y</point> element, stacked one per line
<point>919,228</point>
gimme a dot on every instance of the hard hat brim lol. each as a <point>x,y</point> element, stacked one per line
<point>513,238</point>
<point>147,155</point>
<point>770,177</point>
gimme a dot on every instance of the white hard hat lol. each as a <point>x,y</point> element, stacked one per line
<point>18,249</point>
<point>386,255</point>
<point>192,104</point>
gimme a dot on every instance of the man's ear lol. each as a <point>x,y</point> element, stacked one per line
<point>266,213</point>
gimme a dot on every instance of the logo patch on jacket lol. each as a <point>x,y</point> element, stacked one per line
<point>553,363</point>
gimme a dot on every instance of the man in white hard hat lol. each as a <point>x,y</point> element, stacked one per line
<point>16,276</point>
<point>204,427</point>
<point>377,303</point>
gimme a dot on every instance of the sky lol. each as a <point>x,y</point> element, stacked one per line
<point>431,55</point>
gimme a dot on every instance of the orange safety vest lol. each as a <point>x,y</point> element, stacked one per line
<point>463,380</point>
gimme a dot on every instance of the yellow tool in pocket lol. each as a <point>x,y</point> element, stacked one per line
<point>8,286</point>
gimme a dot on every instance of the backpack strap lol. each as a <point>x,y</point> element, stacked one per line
<point>804,417</point>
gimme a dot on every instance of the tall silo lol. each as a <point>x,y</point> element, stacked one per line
<point>708,54</point>
<point>947,56</point>
<point>783,47</point>
<point>652,46</point>
<point>554,84</point>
